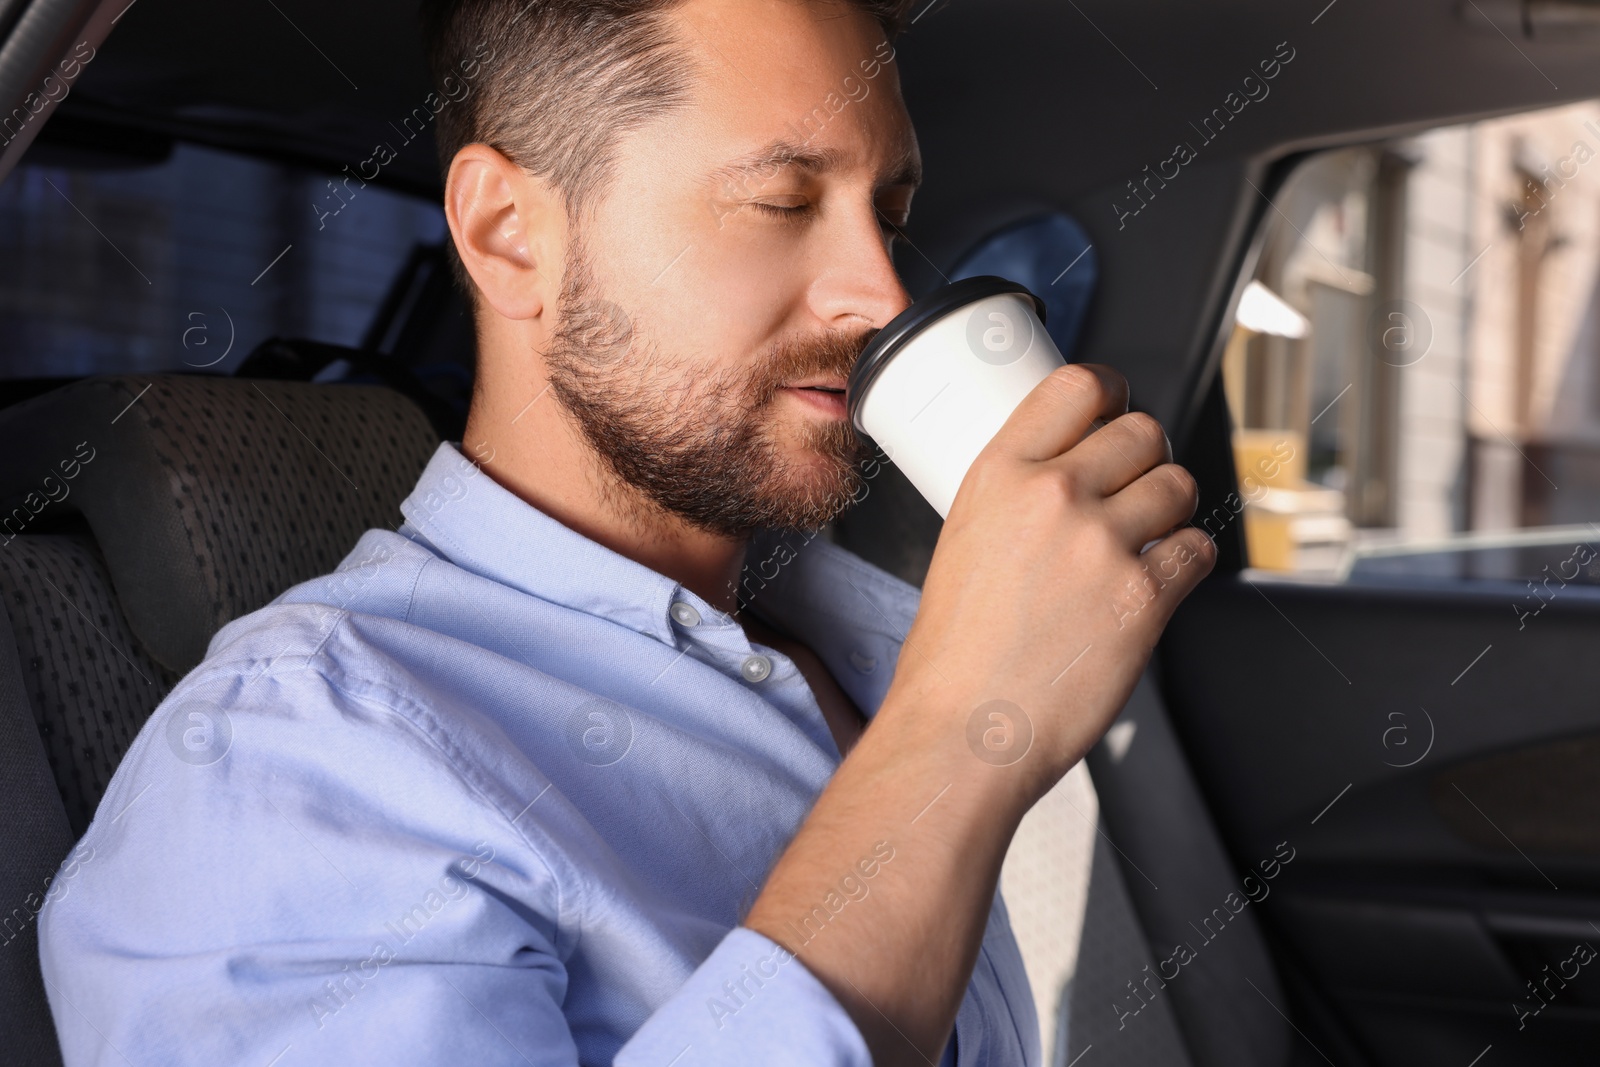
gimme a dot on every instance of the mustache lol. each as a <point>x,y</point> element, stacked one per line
<point>832,353</point>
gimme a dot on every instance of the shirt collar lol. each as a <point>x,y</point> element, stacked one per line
<point>853,615</point>
<point>481,526</point>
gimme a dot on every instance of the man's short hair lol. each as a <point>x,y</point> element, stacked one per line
<point>553,85</point>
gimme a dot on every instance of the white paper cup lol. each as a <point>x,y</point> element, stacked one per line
<point>934,385</point>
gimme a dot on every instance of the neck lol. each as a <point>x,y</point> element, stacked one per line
<point>518,434</point>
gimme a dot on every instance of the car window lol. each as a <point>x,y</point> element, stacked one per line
<point>187,262</point>
<point>1414,370</point>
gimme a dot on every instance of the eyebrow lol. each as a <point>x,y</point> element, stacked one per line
<point>786,154</point>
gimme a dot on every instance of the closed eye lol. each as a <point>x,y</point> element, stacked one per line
<point>788,213</point>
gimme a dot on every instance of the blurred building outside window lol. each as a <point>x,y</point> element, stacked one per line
<point>1414,370</point>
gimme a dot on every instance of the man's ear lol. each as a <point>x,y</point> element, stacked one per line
<point>509,228</point>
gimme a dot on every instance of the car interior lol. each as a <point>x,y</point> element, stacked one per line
<point>1348,253</point>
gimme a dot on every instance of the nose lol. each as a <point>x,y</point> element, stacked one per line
<point>859,288</point>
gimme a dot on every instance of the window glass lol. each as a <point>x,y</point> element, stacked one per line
<point>1414,370</point>
<point>188,263</point>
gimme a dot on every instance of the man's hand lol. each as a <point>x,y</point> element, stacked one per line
<point>1037,617</point>
<point>1038,594</point>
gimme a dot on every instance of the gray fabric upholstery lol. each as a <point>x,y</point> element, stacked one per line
<point>1098,1003</point>
<point>36,838</point>
<point>205,498</point>
<point>1154,812</point>
<point>88,682</point>
<point>209,496</point>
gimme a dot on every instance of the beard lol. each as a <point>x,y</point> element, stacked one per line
<point>706,448</point>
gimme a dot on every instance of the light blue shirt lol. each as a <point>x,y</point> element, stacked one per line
<point>490,793</point>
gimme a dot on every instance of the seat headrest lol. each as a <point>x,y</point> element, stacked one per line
<point>209,496</point>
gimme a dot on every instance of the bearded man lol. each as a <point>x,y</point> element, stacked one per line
<point>529,781</point>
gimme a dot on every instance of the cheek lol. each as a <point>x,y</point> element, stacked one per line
<point>761,277</point>
<point>712,332</point>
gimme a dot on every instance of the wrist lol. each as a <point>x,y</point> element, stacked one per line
<point>988,749</point>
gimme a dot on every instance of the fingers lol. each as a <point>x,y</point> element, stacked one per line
<point>1061,409</point>
<point>1153,505</point>
<point>1119,453</point>
<point>1175,565</point>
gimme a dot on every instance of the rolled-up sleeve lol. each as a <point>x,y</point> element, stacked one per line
<point>751,1001</point>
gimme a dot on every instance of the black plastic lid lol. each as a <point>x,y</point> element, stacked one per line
<point>910,322</point>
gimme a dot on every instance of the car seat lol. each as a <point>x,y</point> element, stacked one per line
<point>138,514</point>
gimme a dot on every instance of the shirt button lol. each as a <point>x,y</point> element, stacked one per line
<point>756,668</point>
<point>685,614</point>
<point>863,663</point>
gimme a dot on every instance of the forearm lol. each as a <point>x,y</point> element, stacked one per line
<point>1046,537</point>
<point>899,957</point>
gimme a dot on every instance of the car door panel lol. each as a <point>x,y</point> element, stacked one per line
<point>1435,768</point>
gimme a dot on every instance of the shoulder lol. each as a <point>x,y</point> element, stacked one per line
<point>289,801</point>
<point>277,817</point>
<point>308,735</point>
<point>378,576</point>
<point>336,703</point>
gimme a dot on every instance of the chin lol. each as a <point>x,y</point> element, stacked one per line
<point>815,467</point>
<point>819,484</point>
